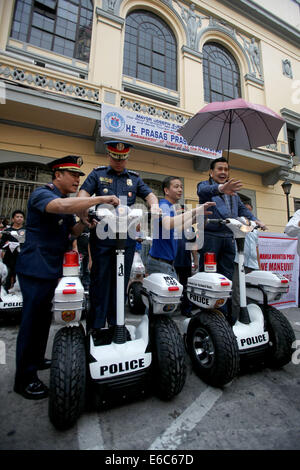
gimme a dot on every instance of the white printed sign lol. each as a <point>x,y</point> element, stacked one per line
<point>278,253</point>
<point>119,123</point>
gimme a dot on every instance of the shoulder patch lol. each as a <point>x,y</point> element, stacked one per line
<point>49,186</point>
<point>134,172</point>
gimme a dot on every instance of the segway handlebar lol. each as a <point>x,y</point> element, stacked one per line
<point>119,212</point>
<point>239,226</point>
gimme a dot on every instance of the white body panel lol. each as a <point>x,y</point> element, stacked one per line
<point>164,300</point>
<point>69,304</point>
<point>208,290</point>
<point>118,359</point>
<point>274,284</point>
<point>10,300</point>
<point>251,335</point>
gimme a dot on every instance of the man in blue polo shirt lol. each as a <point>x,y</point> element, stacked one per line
<point>165,242</point>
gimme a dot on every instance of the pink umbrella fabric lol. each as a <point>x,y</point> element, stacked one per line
<point>234,124</point>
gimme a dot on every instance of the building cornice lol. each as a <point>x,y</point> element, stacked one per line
<point>265,18</point>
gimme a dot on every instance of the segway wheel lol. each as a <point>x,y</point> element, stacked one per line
<point>135,302</point>
<point>67,377</point>
<point>281,336</point>
<point>212,348</point>
<point>168,357</point>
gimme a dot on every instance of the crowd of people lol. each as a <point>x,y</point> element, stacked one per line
<point>51,225</point>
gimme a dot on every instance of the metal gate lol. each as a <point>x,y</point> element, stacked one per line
<point>17,182</point>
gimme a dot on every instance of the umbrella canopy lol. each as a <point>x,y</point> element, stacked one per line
<point>234,124</point>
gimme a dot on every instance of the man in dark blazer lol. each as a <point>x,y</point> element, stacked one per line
<point>218,238</point>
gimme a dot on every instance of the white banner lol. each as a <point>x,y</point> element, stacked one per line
<point>119,123</point>
<point>278,253</point>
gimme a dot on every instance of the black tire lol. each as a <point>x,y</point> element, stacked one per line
<point>67,377</point>
<point>135,302</point>
<point>168,358</point>
<point>281,336</point>
<point>212,347</point>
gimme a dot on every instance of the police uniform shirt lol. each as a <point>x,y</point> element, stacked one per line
<point>164,244</point>
<point>46,236</point>
<point>104,181</point>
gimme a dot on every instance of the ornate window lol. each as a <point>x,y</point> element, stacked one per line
<point>221,74</point>
<point>150,51</point>
<point>62,26</point>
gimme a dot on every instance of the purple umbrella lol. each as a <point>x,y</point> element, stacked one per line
<point>234,124</point>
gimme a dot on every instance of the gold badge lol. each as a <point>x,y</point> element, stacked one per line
<point>79,161</point>
<point>105,190</point>
<point>120,146</point>
<point>129,182</point>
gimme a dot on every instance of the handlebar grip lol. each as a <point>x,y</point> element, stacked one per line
<point>215,221</point>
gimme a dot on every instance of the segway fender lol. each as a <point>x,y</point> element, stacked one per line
<point>185,325</point>
<point>253,334</point>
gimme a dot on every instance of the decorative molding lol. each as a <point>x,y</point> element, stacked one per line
<point>291,117</point>
<point>140,106</point>
<point>266,19</point>
<point>193,22</point>
<point>272,177</point>
<point>221,25</point>
<point>150,93</point>
<point>287,68</point>
<point>196,54</point>
<point>110,16</point>
<point>46,82</point>
<point>112,6</point>
<point>251,78</point>
<point>252,50</point>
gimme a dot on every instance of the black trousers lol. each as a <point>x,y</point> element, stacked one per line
<point>35,325</point>
<point>103,284</point>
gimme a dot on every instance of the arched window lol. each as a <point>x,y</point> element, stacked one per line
<point>62,26</point>
<point>150,51</point>
<point>221,74</point>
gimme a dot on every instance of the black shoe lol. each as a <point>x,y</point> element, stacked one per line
<point>46,364</point>
<point>34,391</point>
<point>102,337</point>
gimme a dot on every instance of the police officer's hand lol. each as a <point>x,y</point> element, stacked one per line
<point>203,209</point>
<point>113,200</point>
<point>261,225</point>
<point>155,210</point>
<point>231,187</point>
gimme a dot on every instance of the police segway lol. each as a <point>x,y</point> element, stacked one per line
<point>11,301</point>
<point>209,340</point>
<point>134,288</point>
<point>262,333</point>
<point>115,364</point>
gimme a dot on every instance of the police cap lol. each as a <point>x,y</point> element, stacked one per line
<point>70,163</point>
<point>118,150</point>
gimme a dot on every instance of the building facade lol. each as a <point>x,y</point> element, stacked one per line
<point>65,65</point>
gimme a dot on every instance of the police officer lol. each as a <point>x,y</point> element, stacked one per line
<point>50,221</point>
<point>112,179</point>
